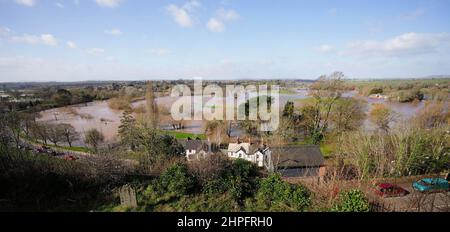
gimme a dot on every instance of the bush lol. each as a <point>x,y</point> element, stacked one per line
<point>351,201</point>
<point>408,95</point>
<point>407,151</point>
<point>177,180</point>
<point>37,182</point>
<point>376,91</point>
<point>238,179</point>
<point>119,104</point>
<point>274,194</point>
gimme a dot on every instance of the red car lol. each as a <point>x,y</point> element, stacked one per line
<point>70,157</point>
<point>390,190</point>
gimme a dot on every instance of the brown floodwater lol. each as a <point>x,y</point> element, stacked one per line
<point>98,115</point>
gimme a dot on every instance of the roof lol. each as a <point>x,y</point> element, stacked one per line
<point>247,147</point>
<point>194,145</point>
<point>297,156</point>
<point>434,180</point>
<point>234,147</point>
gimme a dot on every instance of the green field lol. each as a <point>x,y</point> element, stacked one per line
<point>76,149</point>
<point>184,135</point>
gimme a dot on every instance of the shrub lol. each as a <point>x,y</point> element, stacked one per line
<point>119,104</point>
<point>407,95</point>
<point>274,194</point>
<point>376,91</point>
<point>351,201</point>
<point>36,182</point>
<point>238,179</point>
<point>177,180</point>
<point>407,151</point>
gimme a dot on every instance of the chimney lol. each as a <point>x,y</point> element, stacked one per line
<point>238,140</point>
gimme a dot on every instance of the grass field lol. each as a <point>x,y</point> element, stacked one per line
<point>184,135</point>
<point>76,149</point>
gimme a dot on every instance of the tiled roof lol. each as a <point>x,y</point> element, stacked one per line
<point>297,156</point>
<point>194,145</point>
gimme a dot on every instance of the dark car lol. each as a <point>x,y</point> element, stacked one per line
<point>390,190</point>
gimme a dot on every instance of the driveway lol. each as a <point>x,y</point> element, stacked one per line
<point>415,201</point>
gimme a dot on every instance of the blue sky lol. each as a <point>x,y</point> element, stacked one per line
<point>70,40</point>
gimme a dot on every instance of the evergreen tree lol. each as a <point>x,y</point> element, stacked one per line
<point>128,130</point>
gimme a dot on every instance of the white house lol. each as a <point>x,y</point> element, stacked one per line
<point>249,152</point>
<point>196,149</point>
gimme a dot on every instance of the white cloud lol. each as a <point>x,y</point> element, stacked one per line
<point>114,32</point>
<point>325,48</point>
<point>49,39</point>
<point>182,15</point>
<point>95,51</point>
<point>109,3</point>
<point>46,39</point>
<point>71,44</point>
<point>191,5</point>
<point>160,51</point>
<point>28,3</point>
<point>215,25</point>
<point>60,5</point>
<point>402,45</point>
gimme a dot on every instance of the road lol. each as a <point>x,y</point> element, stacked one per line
<point>415,201</point>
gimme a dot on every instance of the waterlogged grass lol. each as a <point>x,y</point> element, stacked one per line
<point>184,135</point>
<point>287,91</point>
<point>304,101</point>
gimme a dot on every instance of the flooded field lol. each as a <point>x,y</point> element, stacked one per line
<point>99,116</point>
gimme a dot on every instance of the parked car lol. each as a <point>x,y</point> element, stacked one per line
<point>431,185</point>
<point>70,157</point>
<point>390,190</point>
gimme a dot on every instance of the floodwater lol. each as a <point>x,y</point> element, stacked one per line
<point>83,117</point>
<point>99,116</point>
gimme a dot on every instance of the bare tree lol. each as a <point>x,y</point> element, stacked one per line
<point>94,138</point>
<point>55,134</point>
<point>68,132</point>
<point>326,91</point>
<point>40,131</point>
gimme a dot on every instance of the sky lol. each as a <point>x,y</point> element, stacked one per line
<point>76,40</point>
